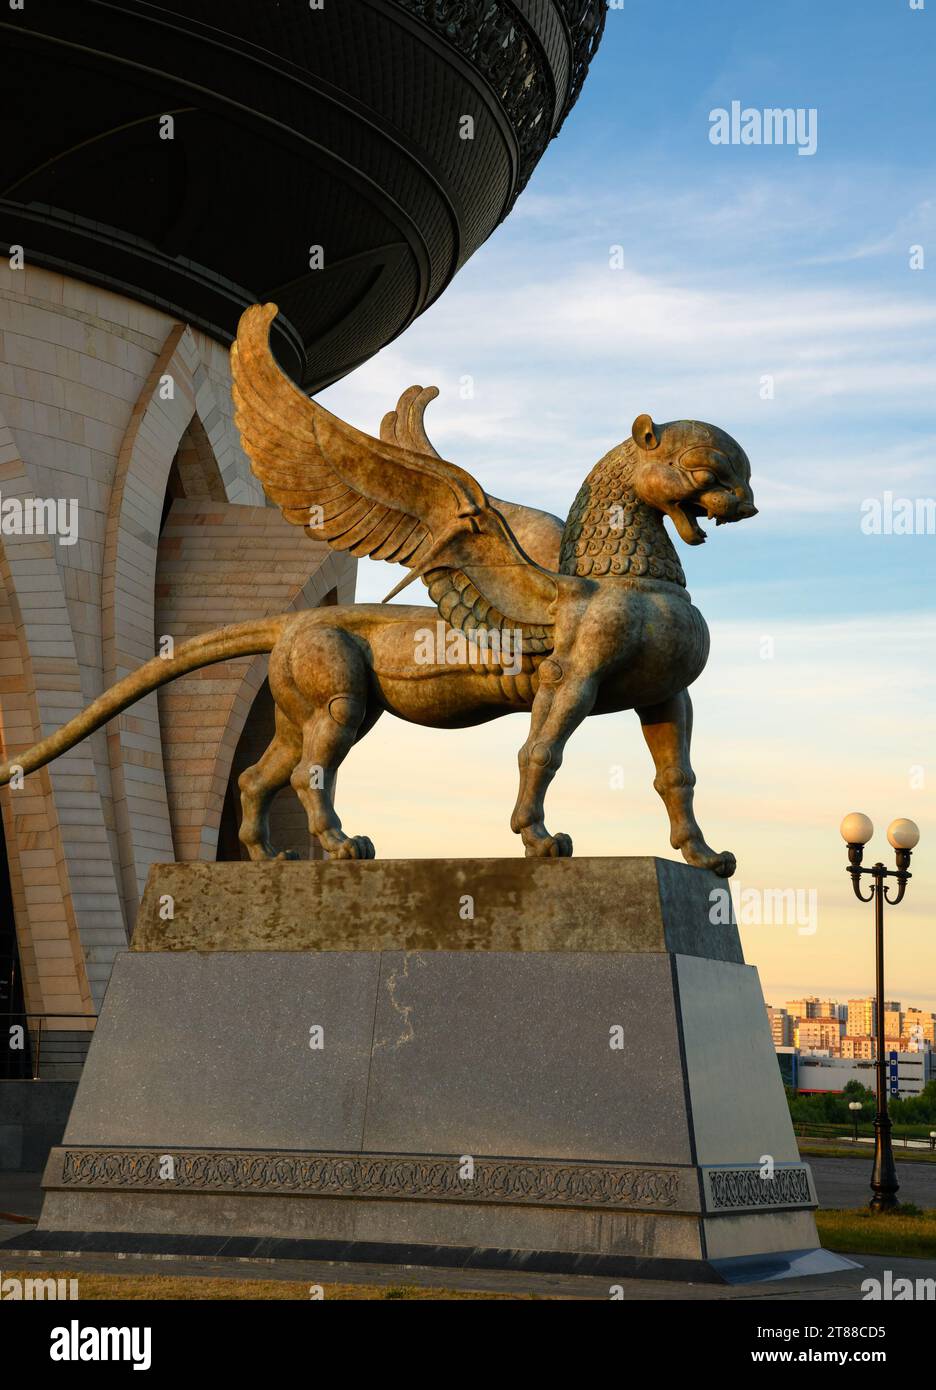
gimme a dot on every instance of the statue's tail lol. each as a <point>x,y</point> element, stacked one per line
<point>240,639</point>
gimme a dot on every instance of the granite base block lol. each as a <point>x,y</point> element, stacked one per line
<point>618,1106</point>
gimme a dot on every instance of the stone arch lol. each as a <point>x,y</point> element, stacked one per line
<point>175,424</point>
<point>66,901</point>
<point>195,472</point>
<point>288,821</point>
<point>219,565</point>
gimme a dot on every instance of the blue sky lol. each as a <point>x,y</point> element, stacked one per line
<point>739,262</point>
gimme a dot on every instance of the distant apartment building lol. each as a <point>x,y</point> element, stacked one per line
<point>893,1025</point>
<point>827,1031</point>
<point>814,1007</point>
<point>862,1021</point>
<point>781,1027</point>
<point>804,1008</point>
<point>822,1033</point>
<point>860,1018</point>
<point>919,1027</point>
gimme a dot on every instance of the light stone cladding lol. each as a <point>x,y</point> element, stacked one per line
<point>126,412</point>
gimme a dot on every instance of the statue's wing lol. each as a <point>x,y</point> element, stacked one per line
<point>381,499</point>
<point>539,533</point>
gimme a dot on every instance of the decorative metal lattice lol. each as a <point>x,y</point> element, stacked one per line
<point>494,36</point>
<point>734,1189</point>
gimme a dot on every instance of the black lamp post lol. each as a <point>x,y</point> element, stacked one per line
<point>855,1107</point>
<point>903,836</point>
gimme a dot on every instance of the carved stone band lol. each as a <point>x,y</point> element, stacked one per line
<point>403,1177</point>
<point>746,1189</point>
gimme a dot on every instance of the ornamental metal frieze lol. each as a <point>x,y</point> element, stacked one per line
<point>505,50</point>
<point>745,1189</point>
<point>586,21</point>
<point>508,1181</point>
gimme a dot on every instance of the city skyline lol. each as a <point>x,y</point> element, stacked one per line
<point>847,1030</point>
<point>844,1001</point>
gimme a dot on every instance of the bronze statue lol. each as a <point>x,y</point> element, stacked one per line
<point>561,621</point>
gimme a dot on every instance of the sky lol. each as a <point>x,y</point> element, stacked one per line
<point>788,298</point>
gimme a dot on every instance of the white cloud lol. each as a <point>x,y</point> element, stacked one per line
<point>560,370</point>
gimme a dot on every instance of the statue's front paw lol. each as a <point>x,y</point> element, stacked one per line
<point>723,864</point>
<point>550,847</point>
<point>353,847</point>
<point>697,853</point>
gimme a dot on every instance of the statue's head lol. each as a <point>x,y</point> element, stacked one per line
<point>688,469</point>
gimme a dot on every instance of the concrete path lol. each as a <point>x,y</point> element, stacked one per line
<point>843,1287</point>
<point>20,1195</point>
<point>845,1182</point>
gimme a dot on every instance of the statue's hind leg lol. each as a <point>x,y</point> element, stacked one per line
<point>667,728</point>
<point>258,786</point>
<point>328,696</point>
<point>326,738</point>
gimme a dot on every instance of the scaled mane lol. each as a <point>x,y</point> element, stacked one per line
<point>610,530</point>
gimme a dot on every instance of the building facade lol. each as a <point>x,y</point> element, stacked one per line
<point>781,1027</point>
<point>804,1008</point>
<point>817,1075</point>
<point>123,415</point>
<point>919,1028</point>
<point>344,161</point>
<point>861,1018</point>
<point>823,1033</point>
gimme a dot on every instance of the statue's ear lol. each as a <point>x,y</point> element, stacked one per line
<point>644,432</point>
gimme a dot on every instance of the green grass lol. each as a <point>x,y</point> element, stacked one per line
<point>132,1287</point>
<point>864,1232</point>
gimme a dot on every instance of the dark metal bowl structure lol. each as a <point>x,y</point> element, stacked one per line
<point>293,128</point>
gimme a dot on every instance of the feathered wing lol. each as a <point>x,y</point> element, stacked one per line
<point>539,533</point>
<point>385,499</point>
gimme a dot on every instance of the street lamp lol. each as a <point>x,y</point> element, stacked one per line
<point>933,1138</point>
<point>903,836</point>
<point>854,1106</point>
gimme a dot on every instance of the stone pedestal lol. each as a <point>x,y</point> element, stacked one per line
<point>556,1066</point>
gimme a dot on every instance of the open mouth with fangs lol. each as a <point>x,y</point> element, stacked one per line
<point>684,517</point>
<point>720,507</point>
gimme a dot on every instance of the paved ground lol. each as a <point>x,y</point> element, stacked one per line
<point>843,1287</point>
<point>845,1182</point>
<point>20,1195</point>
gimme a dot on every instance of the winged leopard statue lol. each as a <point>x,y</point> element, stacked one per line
<point>562,621</point>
